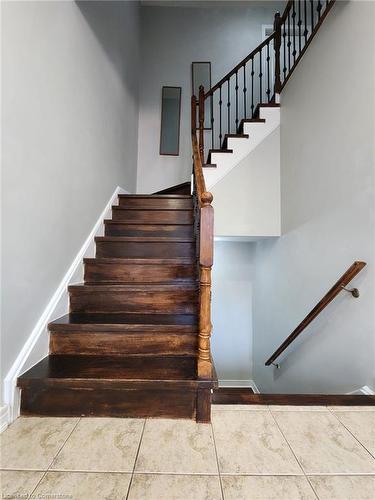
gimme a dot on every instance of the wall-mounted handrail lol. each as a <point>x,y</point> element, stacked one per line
<point>339,286</point>
<point>204,232</point>
<point>260,77</point>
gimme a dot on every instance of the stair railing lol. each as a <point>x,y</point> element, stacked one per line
<point>204,231</point>
<point>338,287</point>
<point>261,76</point>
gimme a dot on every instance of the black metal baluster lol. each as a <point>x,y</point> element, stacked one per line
<point>260,77</point>
<point>312,14</point>
<point>236,88</point>
<point>228,108</point>
<point>299,28</point>
<point>252,87</point>
<point>268,74</point>
<point>244,91</point>
<point>319,8</point>
<point>294,13</point>
<point>220,119</point>
<point>305,12</point>
<point>284,51</point>
<point>212,120</point>
<point>289,42</point>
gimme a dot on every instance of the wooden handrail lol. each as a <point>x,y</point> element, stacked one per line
<point>239,65</point>
<point>261,76</point>
<point>204,215</point>
<point>340,284</point>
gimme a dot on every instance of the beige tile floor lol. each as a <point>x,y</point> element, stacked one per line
<point>248,452</point>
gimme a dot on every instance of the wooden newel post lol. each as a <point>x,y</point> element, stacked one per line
<point>201,123</point>
<point>277,45</point>
<point>205,265</point>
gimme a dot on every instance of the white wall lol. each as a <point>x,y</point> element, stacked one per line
<point>247,199</point>
<point>232,289</point>
<point>69,137</point>
<point>173,37</point>
<point>327,183</point>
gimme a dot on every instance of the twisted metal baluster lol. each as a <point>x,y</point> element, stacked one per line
<point>289,42</point>
<point>312,14</point>
<point>305,15</point>
<point>260,77</point>
<point>236,88</point>
<point>244,91</point>
<point>212,120</point>
<point>228,108</point>
<point>252,87</point>
<point>299,27</point>
<point>268,92</point>
<point>220,119</point>
<point>294,31</point>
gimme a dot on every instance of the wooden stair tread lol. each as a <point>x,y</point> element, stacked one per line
<point>132,321</point>
<point>111,221</point>
<point>156,196</point>
<point>134,287</point>
<point>180,261</point>
<point>150,209</point>
<point>145,239</point>
<point>111,368</point>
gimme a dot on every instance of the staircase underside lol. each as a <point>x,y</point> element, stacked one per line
<point>129,346</point>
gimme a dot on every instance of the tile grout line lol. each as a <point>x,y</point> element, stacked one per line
<point>295,456</point>
<point>350,432</point>
<point>54,457</point>
<point>217,460</point>
<point>136,458</point>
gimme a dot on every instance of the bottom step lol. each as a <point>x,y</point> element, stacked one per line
<point>117,387</point>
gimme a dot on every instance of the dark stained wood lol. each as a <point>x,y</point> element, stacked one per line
<point>203,406</point>
<point>168,299</point>
<point>167,203</point>
<point>301,399</point>
<point>343,281</point>
<point>118,228</point>
<point>110,368</point>
<point>183,188</point>
<point>107,343</point>
<point>232,395</point>
<point>184,323</point>
<point>152,216</point>
<point>87,402</point>
<point>144,247</point>
<point>135,271</point>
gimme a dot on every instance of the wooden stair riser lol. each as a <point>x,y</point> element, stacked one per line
<point>144,230</point>
<point>142,249</point>
<point>156,203</point>
<point>123,344</point>
<point>97,272</point>
<point>152,216</point>
<point>176,301</point>
<point>44,400</point>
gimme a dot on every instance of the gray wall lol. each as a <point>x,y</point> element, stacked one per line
<point>327,182</point>
<point>70,122</point>
<point>173,37</point>
<point>232,278</point>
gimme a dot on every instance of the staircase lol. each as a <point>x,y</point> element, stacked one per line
<point>129,346</point>
<point>136,342</point>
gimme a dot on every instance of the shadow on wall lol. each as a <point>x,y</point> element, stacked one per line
<point>113,25</point>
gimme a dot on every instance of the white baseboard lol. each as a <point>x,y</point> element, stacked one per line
<point>4,419</point>
<point>239,383</point>
<point>57,306</point>
<point>363,391</point>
